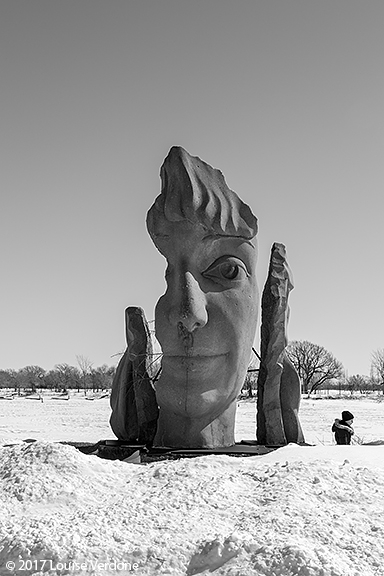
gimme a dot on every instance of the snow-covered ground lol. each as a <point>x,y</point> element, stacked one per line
<point>317,417</point>
<point>305,511</point>
<point>88,421</point>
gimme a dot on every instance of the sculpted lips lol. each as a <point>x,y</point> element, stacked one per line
<point>199,365</point>
<point>193,356</point>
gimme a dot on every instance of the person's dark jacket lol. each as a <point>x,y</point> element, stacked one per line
<point>343,432</point>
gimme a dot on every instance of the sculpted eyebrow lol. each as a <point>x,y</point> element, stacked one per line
<point>227,236</point>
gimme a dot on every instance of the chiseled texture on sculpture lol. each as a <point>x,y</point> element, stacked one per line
<point>133,400</point>
<point>206,320</point>
<point>192,191</point>
<point>278,385</point>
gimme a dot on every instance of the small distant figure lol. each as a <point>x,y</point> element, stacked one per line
<point>343,428</point>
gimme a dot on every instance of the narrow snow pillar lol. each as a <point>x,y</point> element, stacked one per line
<point>278,385</point>
<point>133,400</point>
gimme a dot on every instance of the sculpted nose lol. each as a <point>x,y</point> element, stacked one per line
<point>189,307</point>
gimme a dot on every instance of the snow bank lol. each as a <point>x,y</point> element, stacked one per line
<point>358,455</point>
<point>294,512</point>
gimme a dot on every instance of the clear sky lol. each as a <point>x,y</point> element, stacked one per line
<point>285,97</point>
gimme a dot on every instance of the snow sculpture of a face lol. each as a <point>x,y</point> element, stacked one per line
<point>206,320</point>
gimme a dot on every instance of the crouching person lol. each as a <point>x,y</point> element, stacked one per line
<point>343,428</point>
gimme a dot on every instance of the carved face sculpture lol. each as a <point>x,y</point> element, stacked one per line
<point>206,320</point>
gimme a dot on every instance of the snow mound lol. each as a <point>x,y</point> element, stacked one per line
<point>66,512</point>
<point>43,471</point>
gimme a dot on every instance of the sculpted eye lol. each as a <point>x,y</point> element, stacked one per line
<point>226,268</point>
<point>229,270</point>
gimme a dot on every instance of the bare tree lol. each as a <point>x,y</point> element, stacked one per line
<point>8,379</point>
<point>101,377</point>
<point>85,366</point>
<point>314,364</point>
<point>357,382</point>
<point>31,377</point>
<point>377,367</point>
<point>67,376</point>
<point>53,379</point>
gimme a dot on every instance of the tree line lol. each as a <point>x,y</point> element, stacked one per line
<point>62,377</point>
<point>318,368</point>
